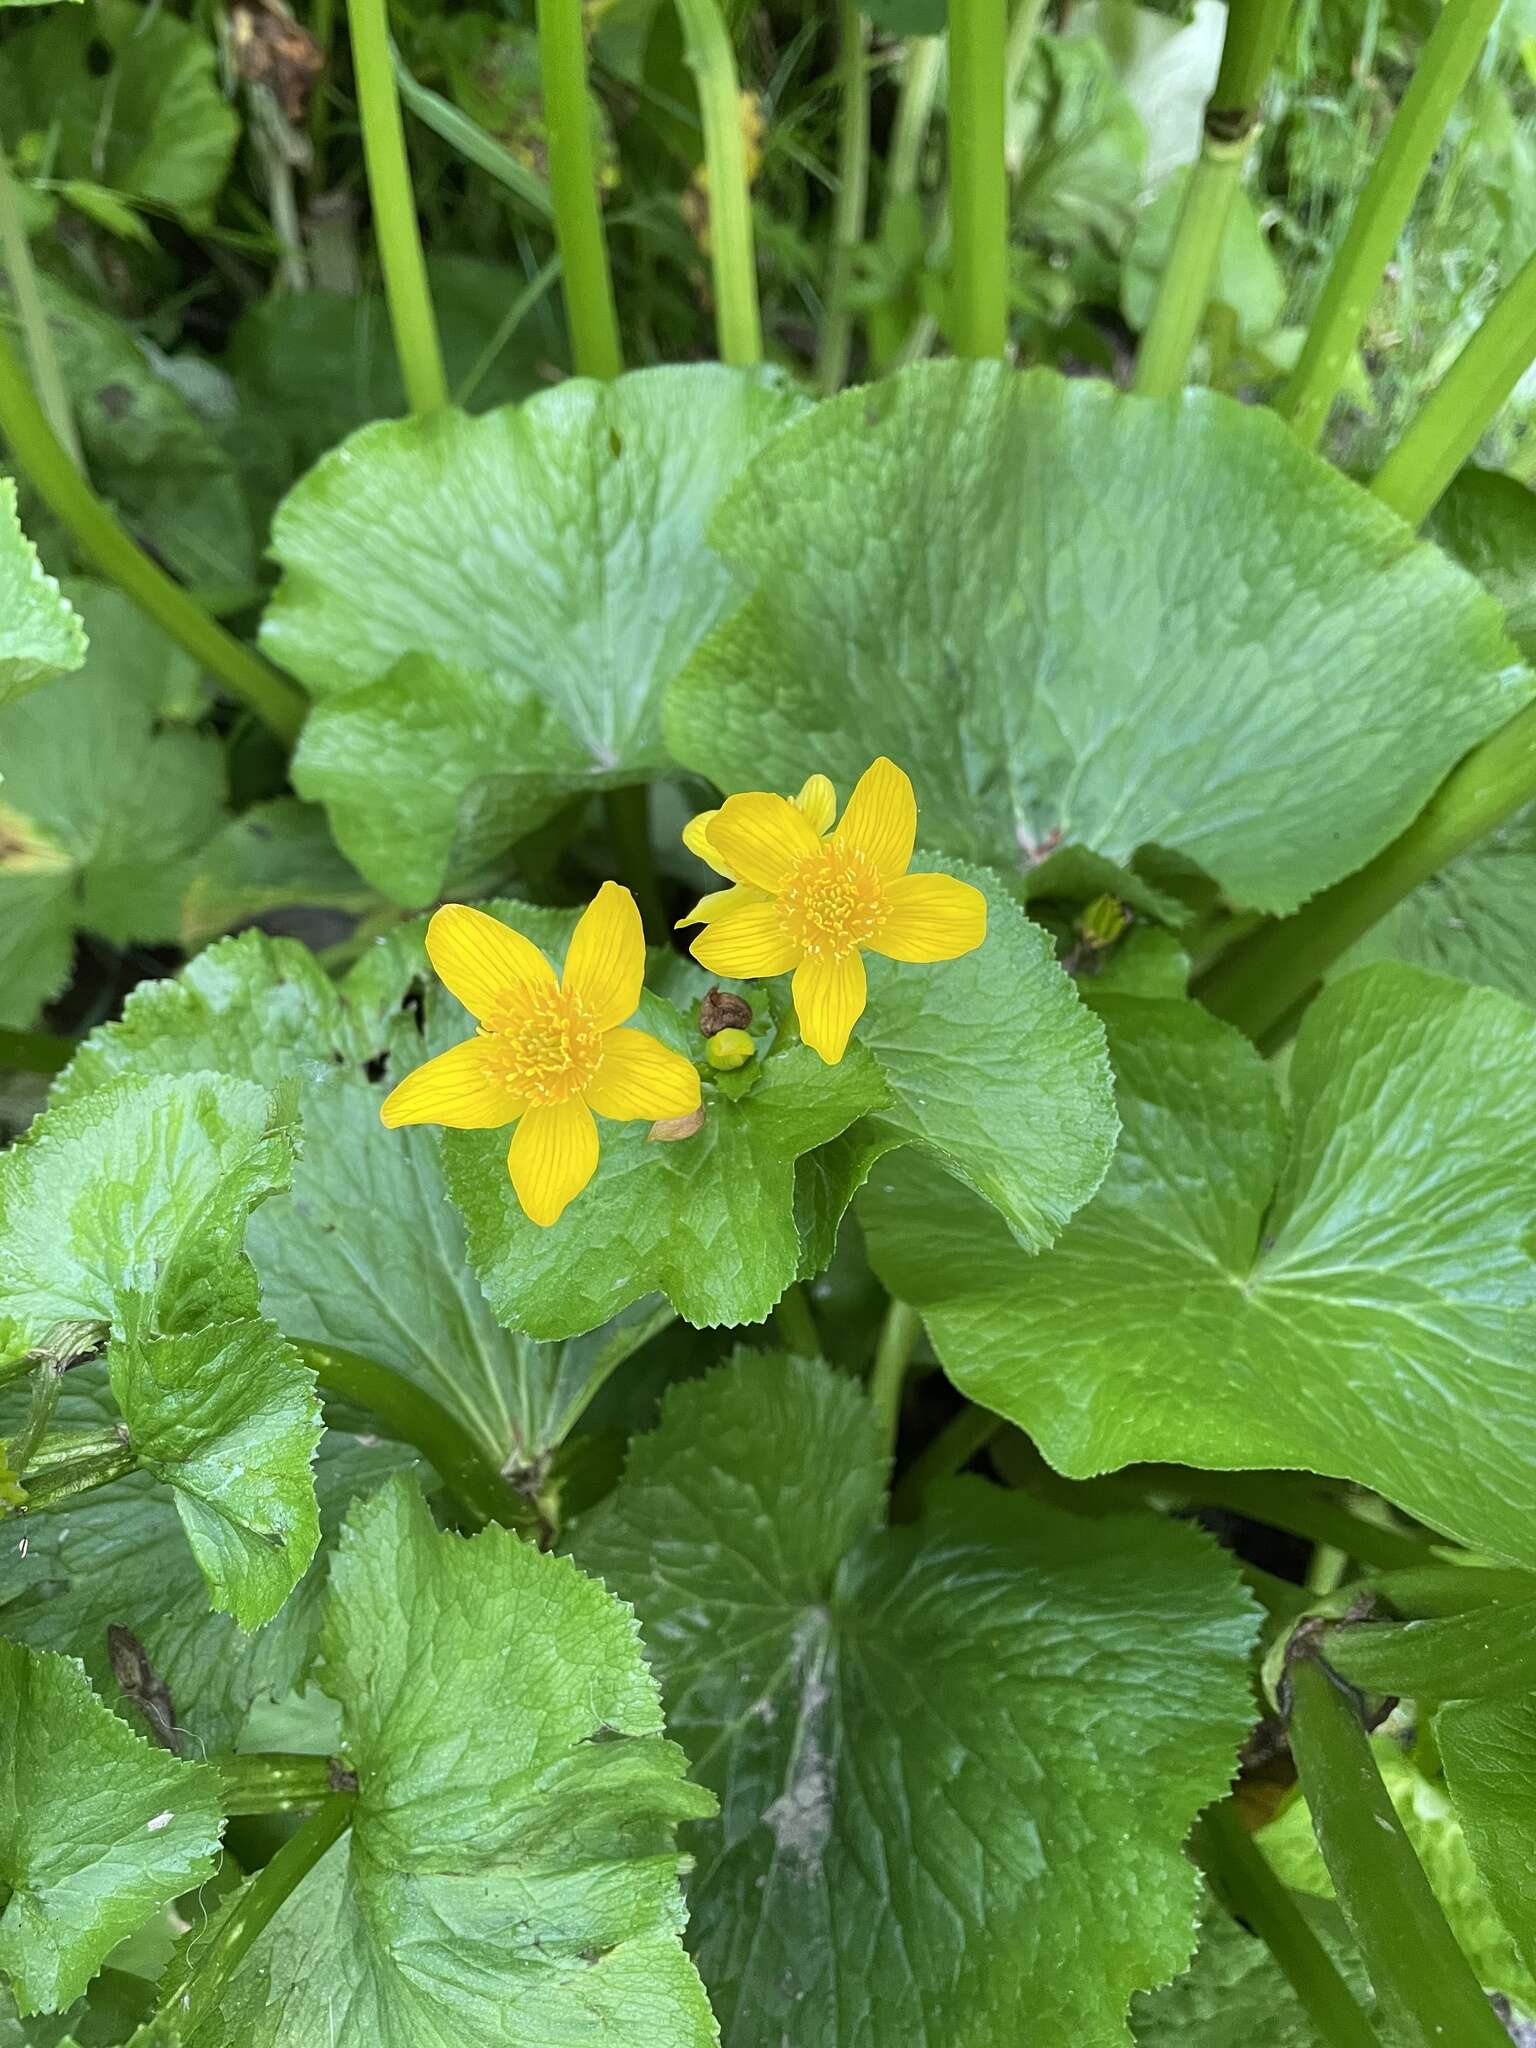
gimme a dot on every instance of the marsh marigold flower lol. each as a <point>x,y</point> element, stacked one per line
<point>813,901</point>
<point>549,1053</point>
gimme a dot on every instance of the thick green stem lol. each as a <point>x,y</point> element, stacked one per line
<point>32,318</point>
<point>413,1417</point>
<point>191,1995</point>
<point>396,229</point>
<point>893,1354</point>
<point>978,177</point>
<point>852,197</point>
<point>1482,1653</point>
<point>629,827</point>
<point>1226,1853</point>
<point>1381,212</point>
<point>732,254</point>
<point>1293,1503</point>
<point>1425,1987</point>
<point>275,1783</point>
<point>75,1462</point>
<point>796,1324</point>
<point>98,535</point>
<point>590,312</point>
<point>1262,984</point>
<point>953,1448</point>
<point>1464,403</point>
<point>1231,116</point>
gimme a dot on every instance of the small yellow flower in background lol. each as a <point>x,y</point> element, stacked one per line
<point>548,1053</point>
<point>812,901</point>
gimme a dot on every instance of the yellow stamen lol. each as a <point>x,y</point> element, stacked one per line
<point>832,902</point>
<point>541,1043</point>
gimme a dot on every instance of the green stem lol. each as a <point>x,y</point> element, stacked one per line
<point>191,1995</point>
<point>35,1052</point>
<point>1262,984</point>
<point>628,814</point>
<point>1231,117</point>
<point>1482,1653</point>
<point>1429,1591</point>
<point>978,177</point>
<point>32,318</point>
<point>75,1462</point>
<point>949,1452</point>
<point>1425,1988</point>
<point>47,1385</point>
<point>852,198</point>
<point>921,69</point>
<point>413,1417</point>
<point>1294,1504</point>
<point>1381,212</point>
<point>732,255</point>
<point>893,1354</point>
<point>590,311</point>
<point>796,1324</point>
<point>1240,1876</point>
<point>396,229</point>
<point>1464,404</point>
<point>97,534</point>
<point>276,1783</point>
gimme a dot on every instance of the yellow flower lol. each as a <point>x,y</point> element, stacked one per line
<point>813,901</point>
<point>547,1053</point>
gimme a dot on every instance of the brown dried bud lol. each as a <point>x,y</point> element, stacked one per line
<point>672,1129</point>
<point>271,49</point>
<point>720,1012</point>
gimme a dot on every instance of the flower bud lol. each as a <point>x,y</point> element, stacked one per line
<point>730,1049</point>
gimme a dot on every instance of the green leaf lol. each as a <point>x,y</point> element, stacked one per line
<point>40,637</point>
<point>275,857</point>
<point>97,1829</point>
<point>127,1206</point>
<point>1487,521</point>
<point>909,17</point>
<point>1488,1750</point>
<point>121,1554</point>
<point>367,1252</point>
<point>511,1873</point>
<point>1353,1299</point>
<point>487,610</point>
<point>1077,145</point>
<point>149,122</point>
<point>1422,1804</point>
<point>956,1761</point>
<point>975,573</point>
<point>227,1418</point>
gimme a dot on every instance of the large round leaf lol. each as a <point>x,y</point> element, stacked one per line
<point>1086,620</point>
<point>488,609</point>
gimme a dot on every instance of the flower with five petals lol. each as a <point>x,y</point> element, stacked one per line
<point>812,900</point>
<point>549,1052</point>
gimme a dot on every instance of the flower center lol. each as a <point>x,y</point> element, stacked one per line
<point>832,903</point>
<point>542,1044</point>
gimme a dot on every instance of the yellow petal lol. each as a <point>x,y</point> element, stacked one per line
<point>881,818</point>
<point>479,959</point>
<point>639,1076</point>
<point>696,839</point>
<point>721,902</point>
<point>606,962</point>
<point>829,1001</point>
<point>745,943</point>
<point>552,1157</point>
<point>818,800</point>
<point>762,837</point>
<point>455,1089</point>
<point>931,917</point>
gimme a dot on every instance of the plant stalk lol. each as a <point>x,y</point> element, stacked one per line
<point>628,814</point>
<point>1464,404</point>
<point>978,177</point>
<point>1381,212</point>
<point>1293,1503</point>
<point>852,197</point>
<point>75,1462</point>
<point>732,253</point>
<point>796,1323</point>
<point>277,1783</point>
<point>1425,1987</point>
<point>1262,983</point>
<point>920,72</point>
<point>590,311</point>
<point>893,1354</point>
<point>395,226</point>
<point>192,1994</point>
<point>32,317</point>
<point>413,1417</point>
<point>1227,1854</point>
<point>948,1453</point>
<point>96,532</point>
<point>1231,119</point>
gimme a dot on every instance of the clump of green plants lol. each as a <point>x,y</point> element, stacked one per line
<point>768,1272</point>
